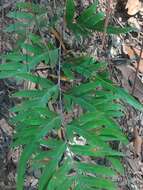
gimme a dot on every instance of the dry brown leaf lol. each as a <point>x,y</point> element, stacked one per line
<point>140,66</point>
<point>137,142</point>
<point>128,76</point>
<point>133,53</point>
<point>133,6</point>
<point>59,38</point>
<point>129,51</point>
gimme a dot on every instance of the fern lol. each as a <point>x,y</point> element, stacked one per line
<point>48,141</point>
<point>89,20</point>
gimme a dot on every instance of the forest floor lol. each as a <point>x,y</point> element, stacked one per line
<point>123,53</point>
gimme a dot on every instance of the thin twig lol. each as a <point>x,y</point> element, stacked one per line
<point>59,83</point>
<point>59,38</point>
<point>61,105</point>
<point>108,12</point>
<point>137,69</point>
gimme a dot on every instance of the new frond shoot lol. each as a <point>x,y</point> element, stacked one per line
<point>66,120</point>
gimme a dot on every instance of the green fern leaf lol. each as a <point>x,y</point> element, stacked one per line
<point>112,29</point>
<point>20,15</point>
<point>87,13</point>
<point>89,150</point>
<point>26,154</point>
<point>97,183</point>
<point>29,93</point>
<point>18,56</point>
<point>60,176</point>
<point>70,11</point>
<point>6,74</point>
<point>93,20</point>
<point>51,168</point>
<point>35,8</point>
<point>43,82</point>
<point>96,169</point>
<point>30,48</point>
<point>51,143</point>
<point>121,93</point>
<point>84,88</point>
<point>117,165</point>
<point>12,67</point>
<point>17,27</point>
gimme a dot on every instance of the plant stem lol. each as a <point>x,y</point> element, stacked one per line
<point>108,12</point>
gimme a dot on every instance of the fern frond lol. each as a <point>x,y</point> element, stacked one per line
<point>49,142</point>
